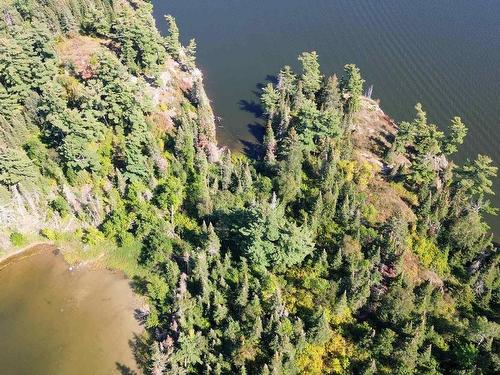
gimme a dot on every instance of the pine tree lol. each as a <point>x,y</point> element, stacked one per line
<point>290,168</point>
<point>213,242</point>
<point>190,59</point>
<point>15,167</point>
<point>270,144</point>
<point>270,100</point>
<point>9,103</point>
<point>352,88</point>
<point>476,176</point>
<point>330,97</point>
<point>456,136</point>
<point>311,75</point>
<point>287,82</point>
<point>172,41</point>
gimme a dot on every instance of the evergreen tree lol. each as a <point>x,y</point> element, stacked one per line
<point>311,75</point>
<point>15,167</point>
<point>172,42</point>
<point>290,171</point>
<point>458,131</point>
<point>269,144</point>
<point>352,88</point>
<point>476,176</point>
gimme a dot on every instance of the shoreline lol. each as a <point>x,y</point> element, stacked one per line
<point>26,251</point>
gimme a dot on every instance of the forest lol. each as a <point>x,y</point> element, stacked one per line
<point>350,245</point>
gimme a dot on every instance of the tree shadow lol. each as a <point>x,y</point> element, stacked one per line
<point>251,149</point>
<point>139,285</point>
<point>124,369</point>
<point>228,224</point>
<point>258,131</point>
<point>252,107</point>
<point>141,349</point>
<point>255,149</point>
<point>271,78</point>
<point>141,316</point>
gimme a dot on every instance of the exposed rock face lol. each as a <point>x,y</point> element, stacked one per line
<point>27,209</point>
<point>78,52</point>
<point>167,98</point>
<point>372,136</point>
<point>373,132</point>
<point>207,138</point>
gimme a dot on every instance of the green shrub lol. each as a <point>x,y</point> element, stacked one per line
<point>405,194</point>
<point>17,239</point>
<point>370,213</point>
<point>60,205</point>
<point>92,236</point>
<point>49,234</point>
<point>431,256</point>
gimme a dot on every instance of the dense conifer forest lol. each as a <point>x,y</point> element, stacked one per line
<point>350,245</point>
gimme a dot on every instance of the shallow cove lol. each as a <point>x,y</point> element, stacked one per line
<point>56,321</point>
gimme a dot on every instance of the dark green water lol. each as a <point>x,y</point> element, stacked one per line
<point>445,54</point>
<point>57,322</point>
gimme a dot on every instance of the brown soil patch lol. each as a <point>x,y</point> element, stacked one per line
<point>373,131</point>
<point>387,202</point>
<point>372,135</point>
<point>78,51</point>
<point>416,273</point>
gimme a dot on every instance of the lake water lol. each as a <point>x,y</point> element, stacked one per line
<point>444,54</point>
<point>53,321</point>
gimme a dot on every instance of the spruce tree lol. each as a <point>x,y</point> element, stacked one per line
<point>311,75</point>
<point>352,88</point>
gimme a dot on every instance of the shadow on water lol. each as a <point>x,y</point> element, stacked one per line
<point>139,344</point>
<point>254,149</point>
<point>252,107</point>
<point>125,370</point>
<point>141,351</point>
<point>139,285</point>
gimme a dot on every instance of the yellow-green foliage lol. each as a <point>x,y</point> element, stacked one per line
<point>307,287</point>
<point>270,286</point>
<point>347,167</point>
<point>184,222</point>
<point>364,173</point>
<point>310,361</point>
<point>331,357</point>
<point>49,234</point>
<point>163,107</point>
<point>430,255</point>
<point>74,90</point>
<point>17,239</point>
<point>341,315</point>
<point>361,173</point>
<point>370,213</point>
<point>404,194</point>
<point>92,236</point>
<point>188,107</point>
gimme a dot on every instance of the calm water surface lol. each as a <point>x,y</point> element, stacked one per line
<point>445,54</point>
<point>53,321</point>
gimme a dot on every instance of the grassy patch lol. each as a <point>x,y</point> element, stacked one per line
<point>124,258</point>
